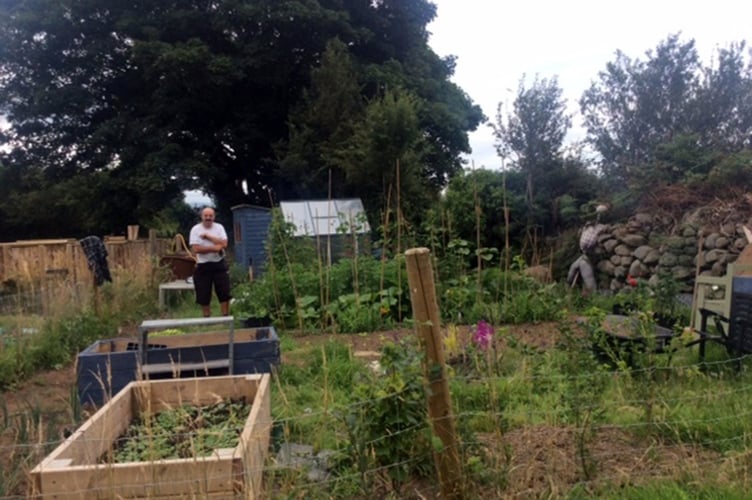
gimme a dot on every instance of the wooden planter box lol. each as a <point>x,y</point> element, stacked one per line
<point>73,470</point>
<point>107,366</point>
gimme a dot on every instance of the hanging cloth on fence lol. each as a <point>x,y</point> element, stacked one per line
<point>96,257</point>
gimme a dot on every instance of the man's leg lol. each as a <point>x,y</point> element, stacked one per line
<point>202,284</point>
<point>222,288</point>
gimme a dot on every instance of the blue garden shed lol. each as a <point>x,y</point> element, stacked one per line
<point>250,229</point>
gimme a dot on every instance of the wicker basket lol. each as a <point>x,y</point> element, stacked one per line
<point>181,266</point>
<point>180,260</point>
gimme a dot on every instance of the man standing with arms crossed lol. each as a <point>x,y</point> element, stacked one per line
<point>208,241</point>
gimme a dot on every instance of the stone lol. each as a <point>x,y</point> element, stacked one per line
<point>709,242</point>
<point>302,456</point>
<point>620,272</point>
<point>689,232</point>
<point>722,242</point>
<point>642,251</point>
<point>714,255</point>
<point>643,218</point>
<point>620,232</point>
<point>687,260</point>
<point>626,260</point>
<point>674,242</point>
<point>690,242</point>
<point>682,273</point>
<point>668,260</point>
<point>652,257</point>
<point>622,250</point>
<point>728,229</point>
<point>718,268</point>
<point>634,240</point>
<point>637,269</point>
<point>610,244</point>
<point>606,267</point>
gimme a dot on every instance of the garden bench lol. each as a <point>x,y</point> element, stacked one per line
<point>714,292</point>
<point>734,331</point>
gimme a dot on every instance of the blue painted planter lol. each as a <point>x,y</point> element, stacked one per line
<point>107,366</point>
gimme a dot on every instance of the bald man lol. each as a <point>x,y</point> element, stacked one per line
<point>208,241</point>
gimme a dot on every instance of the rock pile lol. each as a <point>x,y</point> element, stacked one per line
<point>649,245</point>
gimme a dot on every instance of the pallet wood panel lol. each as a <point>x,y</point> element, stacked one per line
<point>72,469</point>
<point>35,260</point>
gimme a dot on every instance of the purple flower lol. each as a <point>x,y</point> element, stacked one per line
<point>483,335</point>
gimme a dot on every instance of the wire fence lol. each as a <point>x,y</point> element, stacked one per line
<point>685,423</point>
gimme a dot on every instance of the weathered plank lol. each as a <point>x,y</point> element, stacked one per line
<point>72,470</point>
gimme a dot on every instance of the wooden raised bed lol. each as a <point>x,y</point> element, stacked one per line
<point>75,469</point>
<point>107,366</point>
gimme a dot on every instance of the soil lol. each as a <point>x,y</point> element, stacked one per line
<point>537,461</point>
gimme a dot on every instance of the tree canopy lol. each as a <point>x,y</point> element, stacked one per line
<point>234,97</point>
<point>638,110</point>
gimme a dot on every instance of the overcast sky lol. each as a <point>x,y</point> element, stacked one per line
<point>496,42</point>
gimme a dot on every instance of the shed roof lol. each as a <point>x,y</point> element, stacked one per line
<point>326,217</point>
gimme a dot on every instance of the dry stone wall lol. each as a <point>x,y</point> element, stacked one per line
<point>649,245</point>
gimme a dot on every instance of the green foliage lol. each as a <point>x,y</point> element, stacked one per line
<point>388,428</point>
<point>708,489</point>
<point>182,432</point>
<point>533,136</point>
<point>144,99</point>
<point>355,294</point>
<point>587,381</point>
<point>731,170</point>
<point>665,118</point>
<point>52,346</point>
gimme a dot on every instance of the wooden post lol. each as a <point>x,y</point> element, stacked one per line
<point>427,323</point>
<point>153,242</point>
<point>696,285</point>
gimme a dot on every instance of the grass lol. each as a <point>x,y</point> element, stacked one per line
<point>705,408</point>
<point>562,401</point>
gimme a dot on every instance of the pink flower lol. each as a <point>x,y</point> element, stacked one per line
<point>483,335</point>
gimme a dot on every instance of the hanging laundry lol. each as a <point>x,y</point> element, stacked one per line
<point>96,257</point>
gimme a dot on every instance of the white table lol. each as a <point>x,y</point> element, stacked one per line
<point>160,324</point>
<point>176,285</point>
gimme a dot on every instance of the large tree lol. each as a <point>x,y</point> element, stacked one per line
<point>162,96</point>
<point>636,105</point>
<point>532,136</point>
<point>661,119</point>
<point>722,111</point>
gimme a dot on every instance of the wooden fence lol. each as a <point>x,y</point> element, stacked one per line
<point>38,260</point>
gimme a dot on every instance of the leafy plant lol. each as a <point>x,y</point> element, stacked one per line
<point>388,430</point>
<point>182,432</point>
<point>581,398</point>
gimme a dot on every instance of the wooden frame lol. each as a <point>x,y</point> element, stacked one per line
<point>73,470</point>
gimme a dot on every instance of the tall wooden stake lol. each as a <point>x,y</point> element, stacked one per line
<point>426,316</point>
